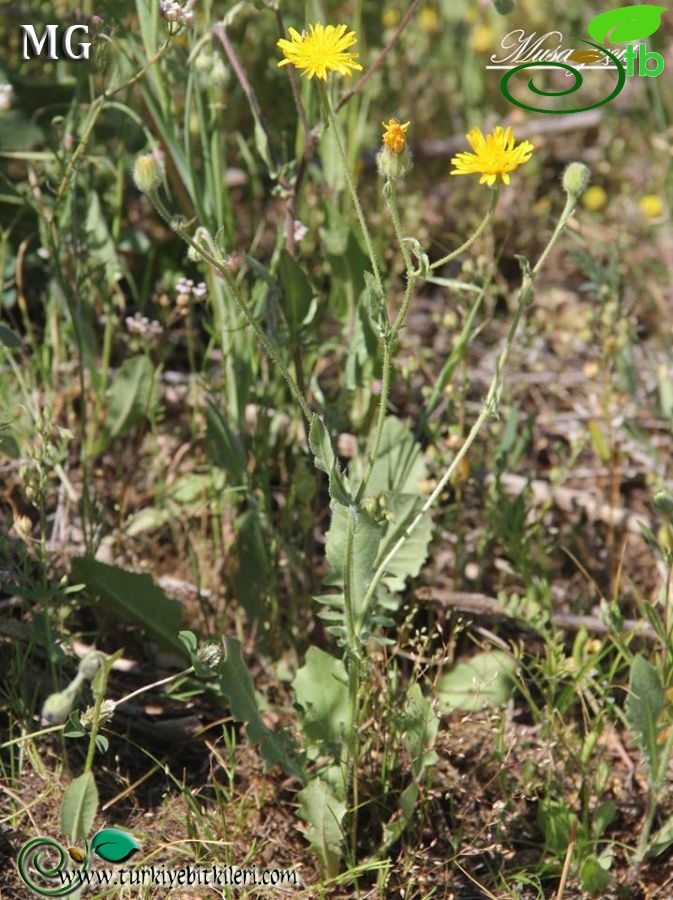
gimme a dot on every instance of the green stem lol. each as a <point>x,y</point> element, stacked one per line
<point>489,406</point>
<point>331,115</point>
<point>353,748</point>
<point>390,337</point>
<point>480,229</point>
<point>221,268</point>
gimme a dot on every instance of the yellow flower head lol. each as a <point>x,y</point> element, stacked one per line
<point>428,20</point>
<point>651,206</point>
<point>595,198</point>
<point>493,155</point>
<point>393,136</point>
<point>323,49</point>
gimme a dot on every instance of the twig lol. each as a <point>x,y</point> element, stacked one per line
<point>566,862</point>
<point>378,62</point>
<point>481,604</point>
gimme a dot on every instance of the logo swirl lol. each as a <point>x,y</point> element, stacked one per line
<point>577,75</point>
<point>33,856</point>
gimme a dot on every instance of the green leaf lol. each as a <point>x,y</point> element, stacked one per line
<point>602,817</point>
<point>662,839</point>
<point>595,879</point>
<point>79,807</point>
<point>236,684</point>
<point>134,598</point>
<point>399,464</point>
<point>251,574</point>
<point>73,727</point>
<point>8,338</point>
<point>644,705</point>
<point>321,445</point>
<point>190,641</point>
<point>18,132</point>
<point>366,539</point>
<point>224,446</point>
<point>401,510</point>
<point>101,249</point>
<point>486,680</point>
<point>324,813</point>
<point>626,23</point>
<point>325,460</point>
<point>321,690</point>
<point>420,723</point>
<point>130,395</point>
<point>150,518</point>
<point>297,292</point>
<point>113,845</point>
<point>556,821</point>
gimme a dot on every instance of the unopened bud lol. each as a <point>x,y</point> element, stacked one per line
<point>210,656</point>
<point>57,707</point>
<point>576,179</point>
<point>148,172</point>
<point>106,712</point>
<point>90,664</point>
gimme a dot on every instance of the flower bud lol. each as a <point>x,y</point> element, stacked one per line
<point>576,179</point>
<point>57,707</point>
<point>209,656</point>
<point>393,165</point>
<point>90,664</point>
<point>148,172</point>
<point>106,712</point>
<point>504,6</point>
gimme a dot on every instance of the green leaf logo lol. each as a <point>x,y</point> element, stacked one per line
<point>626,23</point>
<point>113,845</point>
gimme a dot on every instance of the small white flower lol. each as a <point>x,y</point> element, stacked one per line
<point>300,230</point>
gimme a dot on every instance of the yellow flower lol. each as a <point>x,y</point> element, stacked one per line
<point>323,49</point>
<point>483,38</point>
<point>595,198</point>
<point>393,136</point>
<point>493,155</point>
<point>651,206</point>
<point>428,20</point>
<point>390,18</point>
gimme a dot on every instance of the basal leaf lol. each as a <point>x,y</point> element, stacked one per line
<point>487,679</point>
<point>644,705</point>
<point>130,395</point>
<point>420,723</point>
<point>236,684</point>
<point>321,690</point>
<point>324,813</point>
<point>134,597</point>
<point>79,807</point>
<point>595,879</point>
